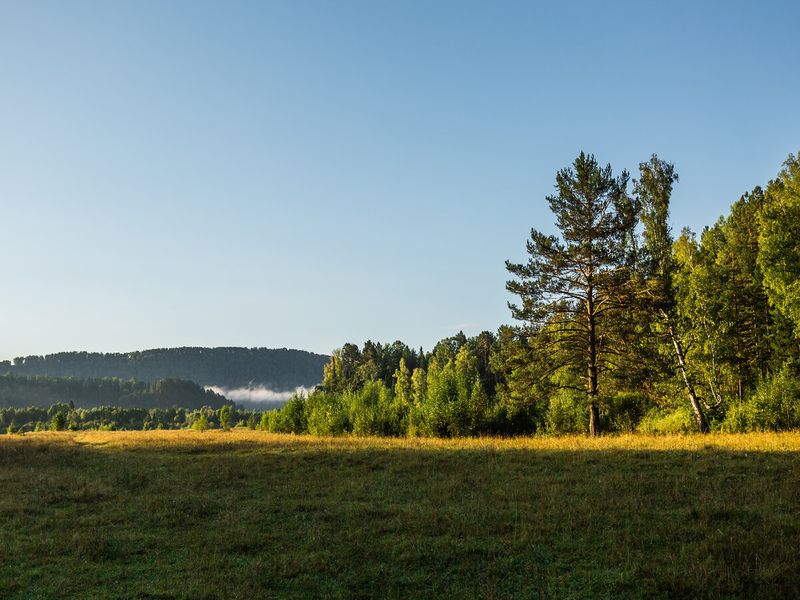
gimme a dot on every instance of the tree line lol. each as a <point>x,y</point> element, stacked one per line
<point>67,417</point>
<point>43,391</point>
<point>621,326</point>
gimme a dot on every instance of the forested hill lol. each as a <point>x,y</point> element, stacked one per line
<point>278,369</point>
<point>44,391</point>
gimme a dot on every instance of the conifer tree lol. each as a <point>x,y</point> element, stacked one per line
<point>576,283</point>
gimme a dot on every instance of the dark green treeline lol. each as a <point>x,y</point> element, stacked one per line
<point>44,391</point>
<point>621,327</point>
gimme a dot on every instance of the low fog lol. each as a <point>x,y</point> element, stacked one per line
<point>259,398</point>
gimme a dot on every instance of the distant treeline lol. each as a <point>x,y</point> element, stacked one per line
<point>44,391</point>
<point>61,417</point>
<point>277,369</point>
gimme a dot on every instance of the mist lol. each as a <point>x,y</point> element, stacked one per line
<point>259,397</point>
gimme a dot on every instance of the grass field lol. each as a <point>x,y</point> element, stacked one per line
<point>246,514</point>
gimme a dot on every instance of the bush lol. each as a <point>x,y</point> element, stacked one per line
<point>739,418</point>
<point>625,410</point>
<point>201,424</point>
<point>372,411</point>
<point>326,414</point>
<point>567,412</point>
<point>290,418</point>
<point>225,417</point>
<point>59,422</point>
<point>773,406</point>
<point>659,420</point>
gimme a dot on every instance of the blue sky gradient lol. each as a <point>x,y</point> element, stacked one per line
<point>303,174</point>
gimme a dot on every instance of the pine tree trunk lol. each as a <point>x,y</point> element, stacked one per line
<point>592,384</point>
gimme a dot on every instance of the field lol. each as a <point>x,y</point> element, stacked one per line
<point>245,514</point>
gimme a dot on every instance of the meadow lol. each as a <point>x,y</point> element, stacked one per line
<point>249,514</point>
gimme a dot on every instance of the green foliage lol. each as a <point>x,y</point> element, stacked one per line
<point>566,412</point>
<point>290,418</point>
<point>574,290</point>
<point>225,417</point>
<point>779,242</point>
<point>615,316</point>
<point>624,410</point>
<point>59,422</point>
<point>739,418</point>
<point>201,424</point>
<point>267,422</point>
<point>373,411</point>
<point>664,421</point>
<point>327,414</point>
<point>89,393</point>
<point>105,418</point>
<point>774,406</point>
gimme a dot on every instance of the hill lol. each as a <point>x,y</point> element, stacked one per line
<point>277,369</point>
<point>44,391</point>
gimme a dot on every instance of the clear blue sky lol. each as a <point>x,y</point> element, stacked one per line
<point>306,173</point>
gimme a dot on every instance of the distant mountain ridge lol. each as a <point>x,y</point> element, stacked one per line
<point>279,369</point>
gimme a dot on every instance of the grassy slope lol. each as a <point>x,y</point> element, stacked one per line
<point>246,514</point>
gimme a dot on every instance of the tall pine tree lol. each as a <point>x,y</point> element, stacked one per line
<point>575,285</point>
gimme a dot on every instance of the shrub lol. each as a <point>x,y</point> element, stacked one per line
<point>739,418</point>
<point>59,422</point>
<point>290,418</point>
<point>658,420</point>
<point>624,411</point>
<point>326,414</point>
<point>372,411</point>
<point>201,424</point>
<point>567,412</point>
<point>777,401</point>
<point>225,417</point>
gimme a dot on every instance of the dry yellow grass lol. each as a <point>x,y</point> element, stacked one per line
<point>753,442</point>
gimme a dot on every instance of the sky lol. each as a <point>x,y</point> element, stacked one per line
<point>303,174</point>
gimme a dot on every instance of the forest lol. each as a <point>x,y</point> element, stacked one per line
<point>44,391</point>
<point>278,369</point>
<point>620,326</point>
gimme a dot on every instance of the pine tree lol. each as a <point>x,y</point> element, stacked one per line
<point>574,284</point>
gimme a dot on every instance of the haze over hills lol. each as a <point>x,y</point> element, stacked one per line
<point>278,370</point>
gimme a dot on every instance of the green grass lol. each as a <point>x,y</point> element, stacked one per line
<point>251,515</point>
